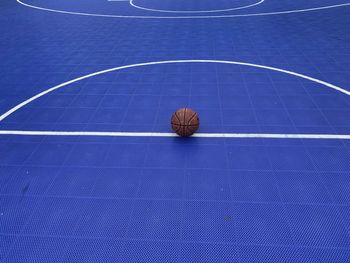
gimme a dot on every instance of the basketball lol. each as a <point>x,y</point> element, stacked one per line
<point>185,122</point>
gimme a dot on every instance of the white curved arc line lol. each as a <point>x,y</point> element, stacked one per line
<point>166,134</point>
<point>6,114</point>
<point>183,17</point>
<point>131,2</point>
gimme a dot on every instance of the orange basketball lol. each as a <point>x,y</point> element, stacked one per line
<point>185,122</point>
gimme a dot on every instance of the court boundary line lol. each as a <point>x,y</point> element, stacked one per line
<point>167,134</point>
<point>131,2</point>
<point>22,104</point>
<point>183,17</point>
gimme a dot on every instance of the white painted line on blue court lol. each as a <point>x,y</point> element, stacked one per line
<point>184,17</point>
<point>166,134</point>
<point>132,3</point>
<point>329,85</point>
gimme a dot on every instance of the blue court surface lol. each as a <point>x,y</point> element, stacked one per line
<point>90,170</point>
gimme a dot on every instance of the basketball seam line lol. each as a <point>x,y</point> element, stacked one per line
<point>189,121</point>
<point>185,130</point>
<point>178,118</point>
<point>175,127</point>
<point>186,125</point>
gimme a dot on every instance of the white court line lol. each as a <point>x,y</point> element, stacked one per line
<point>192,11</point>
<point>329,85</point>
<point>165,134</point>
<point>184,17</point>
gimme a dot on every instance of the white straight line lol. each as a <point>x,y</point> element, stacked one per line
<point>166,134</point>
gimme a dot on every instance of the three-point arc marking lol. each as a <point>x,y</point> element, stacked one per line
<point>184,17</point>
<point>206,135</point>
<point>132,3</point>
